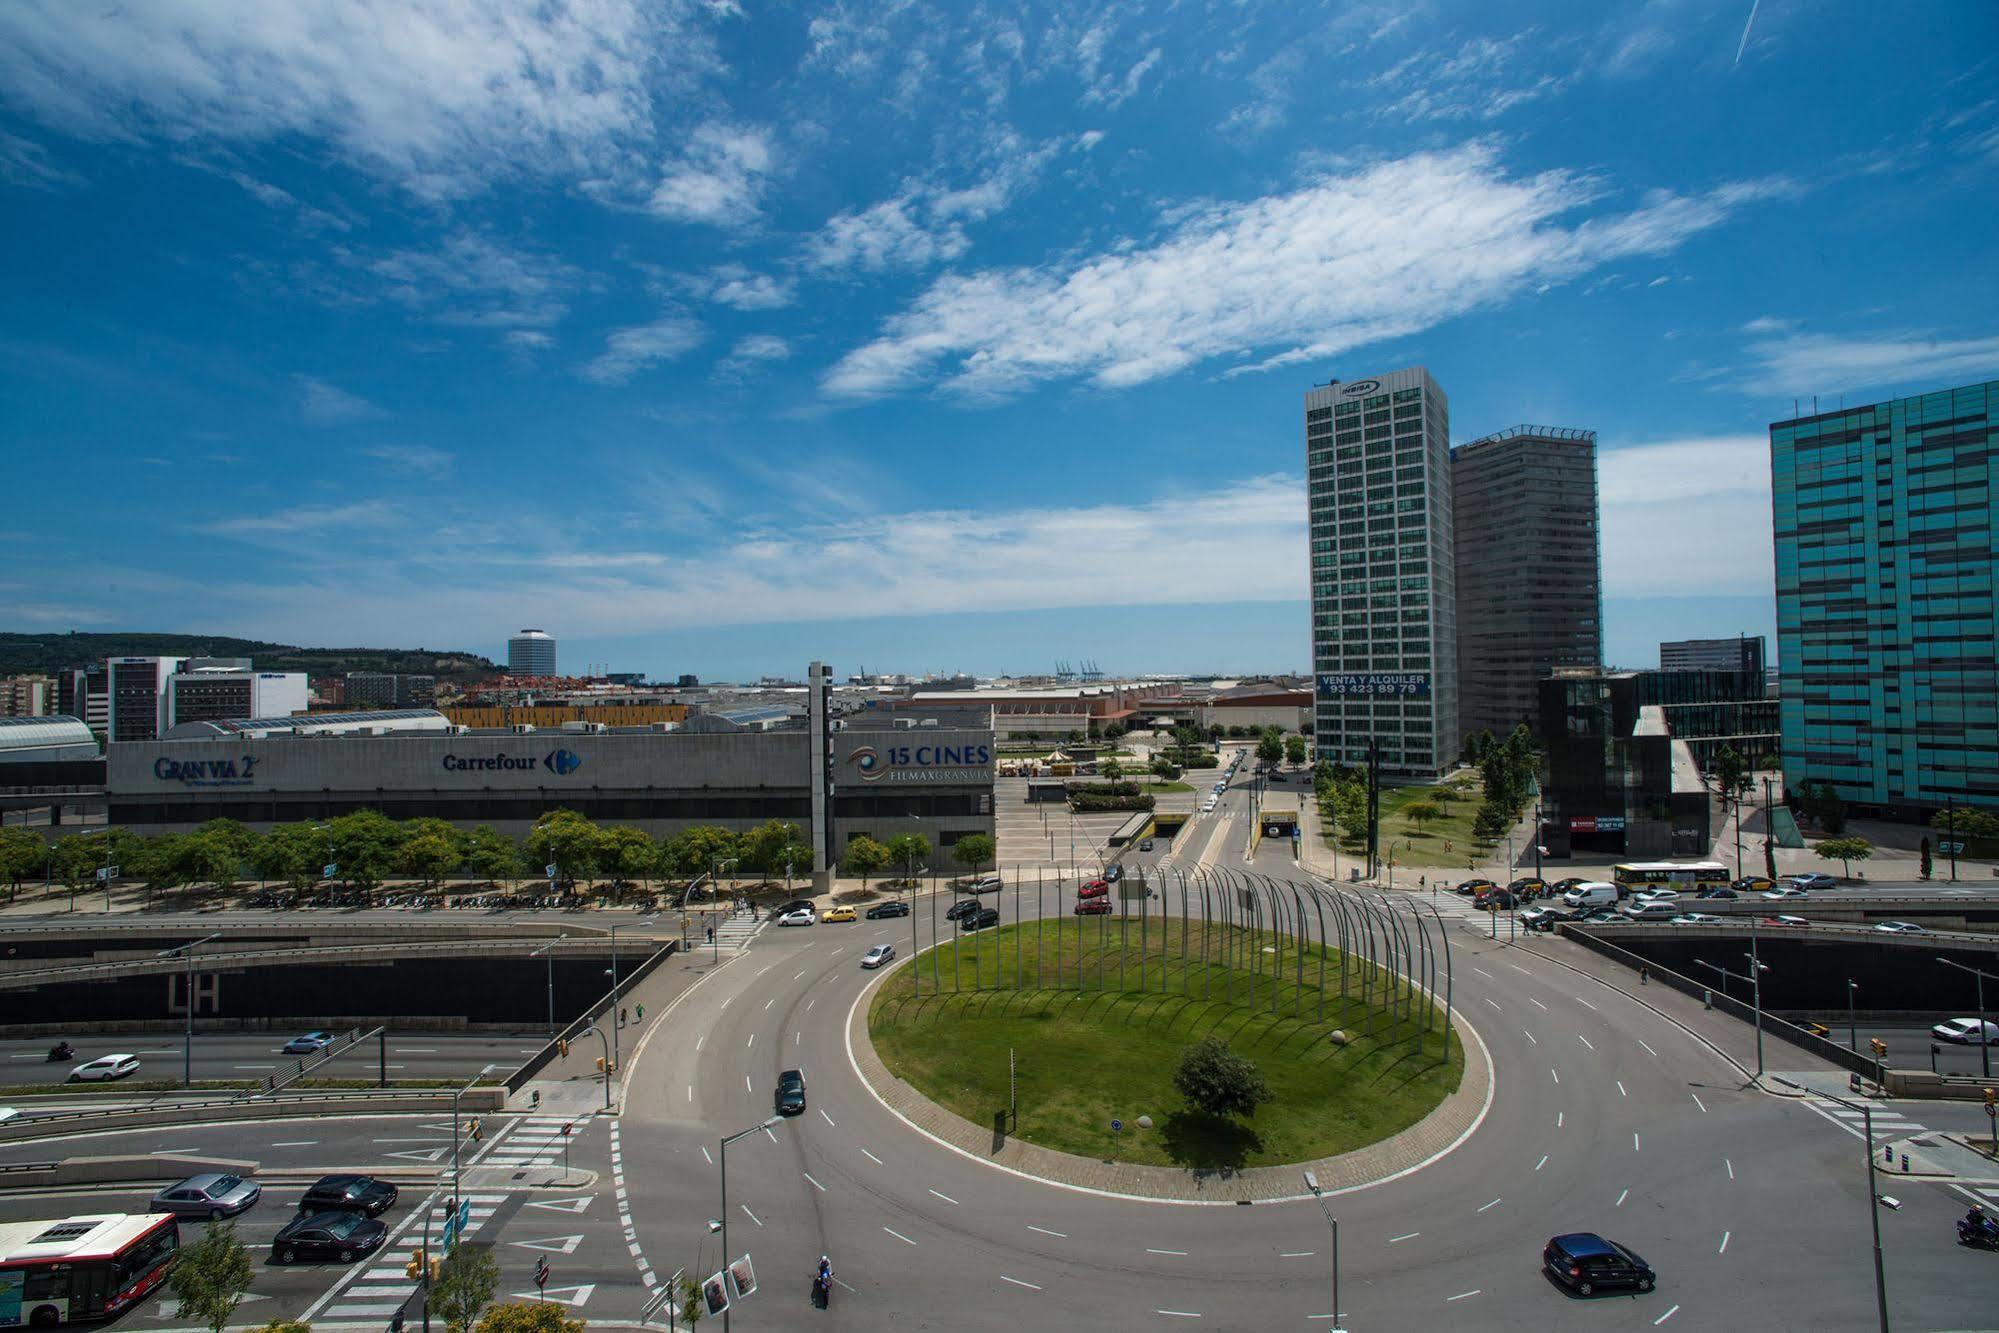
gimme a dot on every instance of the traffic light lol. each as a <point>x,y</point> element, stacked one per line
<point>600,1064</point>
<point>1878,1046</point>
<point>1990,1097</point>
<point>414,1268</point>
<point>435,1264</point>
<point>477,1133</point>
<point>562,1047</point>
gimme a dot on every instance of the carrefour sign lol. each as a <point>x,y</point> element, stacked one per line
<point>918,763</point>
<point>559,762</point>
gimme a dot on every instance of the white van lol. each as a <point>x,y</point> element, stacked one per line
<point>1596,894</point>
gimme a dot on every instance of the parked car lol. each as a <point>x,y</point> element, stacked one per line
<point>1698,919</point>
<point>1900,928</point>
<point>1096,888</point>
<point>1812,882</point>
<point>1788,891</point>
<point>1965,1032</point>
<point>1650,911</point>
<point>878,955</point>
<point>1145,844</point>
<point>105,1068</point>
<point>1528,887</point>
<point>308,1042</point>
<point>209,1195</point>
<point>1753,884</point>
<point>349,1194</point>
<point>985,884</point>
<point>801,916</point>
<point>1536,918</point>
<point>881,910</point>
<point>1718,892</point>
<point>1474,886</point>
<point>961,908</point>
<point>1093,907</point>
<point>1586,1263</point>
<point>979,920</point>
<point>342,1236</point>
<point>789,1098</point>
<point>838,914</point>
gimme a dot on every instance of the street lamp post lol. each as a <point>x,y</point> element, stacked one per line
<point>1984,1046</point>
<point>457,1192</point>
<point>739,1134</point>
<point>1312,1184</point>
<point>617,1013</point>
<point>187,1053</point>
<point>1950,833</point>
<point>1873,1197</point>
<point>1769,829</point>
<point>547,950</point>
<point>1755,980</point>
<point>1852,1030</point>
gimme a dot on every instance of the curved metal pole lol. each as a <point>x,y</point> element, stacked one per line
<point>1298,953</point>
<point>1319,910</point>
<point>1340,921</point>
<point>1444,934</point>
<point>1398,956</point>
<point>1186,982</point>
<point>1207,931</point>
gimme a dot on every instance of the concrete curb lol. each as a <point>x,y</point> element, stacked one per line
<point>1429,1139</point>
<point>481,1101</point>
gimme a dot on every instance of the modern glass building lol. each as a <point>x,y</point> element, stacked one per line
<point>531,653</point>
<point>1885,543</point>
<point>1384,581</point>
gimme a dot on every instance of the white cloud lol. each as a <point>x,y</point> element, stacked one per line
<point>1103,86</point>
<point>473,280</point>
<point>628,351</point>
<point>1382,251</point>
<point>735,286</point>
<point>1818,363</point>
<point>441,99</point>
<point>756,350</point>
<point>24,162</point>
<point>1686,517</point>
<point>1481,80</point>
<point>416,459</point>
<point>1089,139</point>
<point>1769,324</point>
<point>325,405</point>
<point>529,340</point>
<point>306,518</point>
<point>718,178</point>
<point>1271,82</point>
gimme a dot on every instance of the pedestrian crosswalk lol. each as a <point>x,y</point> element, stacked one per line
<point>536,1141</point>
<point>737,929</point>
<point>379,1290</point>
<point>1889,1123</point>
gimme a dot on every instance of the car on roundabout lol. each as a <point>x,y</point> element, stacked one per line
<point>799,916</point>
<point>789,1098</point>
<point>342,1236</point>
<point>1900,928</point>
<point>1096,888</point>
<point>105,1068</point>
<point>839,914</point>
<point>307,1043</point>
<point>881,911</point>
<point>209,1196</point>
<point>961,909</point>
<point>979,920</point>
<point>349,1194</point>
<point>1587,1263</point>
<point>1965,1032</point>
<point>878,955</point>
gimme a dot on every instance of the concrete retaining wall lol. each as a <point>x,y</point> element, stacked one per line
<point>478,1101</point>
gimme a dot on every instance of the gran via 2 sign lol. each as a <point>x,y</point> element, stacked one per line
<point>235,772</point>
<point>929,762</point>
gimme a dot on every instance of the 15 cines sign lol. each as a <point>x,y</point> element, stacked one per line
<point>928,762</point>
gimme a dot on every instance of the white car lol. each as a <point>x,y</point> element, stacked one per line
<point>105,1068</point>
<point>801,916</point>
<point>1656,896</point>
<point>1964,1031</point>
<point>878,955</point>
<point>1698,919</point>
<point>1778,895</point>
<point>1900,928</point>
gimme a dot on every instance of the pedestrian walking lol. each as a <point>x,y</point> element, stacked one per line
<point>1644,976</point>
<point>711,934</point>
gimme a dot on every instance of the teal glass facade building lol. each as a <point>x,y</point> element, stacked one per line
<point>1886,538</point>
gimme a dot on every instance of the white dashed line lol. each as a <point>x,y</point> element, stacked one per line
<point>747,1213</point>
<point>700,1041</point>
<point>1664,1317</point>
<point>1537,1004</point>
<point>1495,1008</point>
<point>827,1118</point>
<point>1482,1207</point>
<point>1461,1295</point>
<point>1731,1167</point>
<point>815,1184</point>
<point>799,975</point>
<point>899,1236</point>
<point>809,1004</point>
<point>945,1197</point>
<point>1018,1283</point>
<point>1296,1254</point>
<point>1530,1036</point>
<point>1180,1253</point>
<point>705,1153</point>
<point>1648,1050</point>
<point>1178,1314</point>
<point>1584,1003</point>
<point>1410,1235</point>
<point>1558,1118</point>
<point>1059,1235</point>
<point>1698,1102</point>
<point>1724,1242</point>
<point>1585,1041</point>
<point>1543,1162</point>
<point>690,1092</point>
<point>746,1084</point>
<point>871,1157</point>
<point>1620,1089</point>
<point>1482,972</point>
<point>1622,1195</point>
<point>1552,1074</point>
<point>768,1003</point>
<point>751,1043</point>
<point>1634,1140</point>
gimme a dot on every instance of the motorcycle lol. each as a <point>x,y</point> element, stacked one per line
<point>60,1052</point>
<point>822,1286</point>
<point>1984,1236</point>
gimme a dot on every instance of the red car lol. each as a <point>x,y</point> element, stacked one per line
<point>1093,907</point>
<point>1096,888</point>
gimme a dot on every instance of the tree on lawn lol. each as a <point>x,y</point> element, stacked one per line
<point>1845,851</point>
<point>1111,769</point>
<point>973,850</point>
<point>22,853</point>
<point>1294,751</point>
<point>492,856</point>
<point>908,851</point>
<point>1270,746</point>
<point>211,1275</point>
<point>1420,813</point>
<point>466,1281</point>
<point>1729,770</point>
<point>1217,1081</point>
<point>864,857</point>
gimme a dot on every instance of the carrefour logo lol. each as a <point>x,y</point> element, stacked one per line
<point>917,763</point>
<point>559,762</point>
<point>206,772</point>
<point>563,762</point>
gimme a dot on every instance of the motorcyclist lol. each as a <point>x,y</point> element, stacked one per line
<point>62,1050</point>
<point>1976,1219</point>
<point>825,1270</point>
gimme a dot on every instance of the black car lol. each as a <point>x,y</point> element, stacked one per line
<point>348,1194</point>
<point>790,1098</point>
<point>1715,893</point>
<point>979,920</point>
<point>880,910</point>
<point>962,908</point>
<point>1585,1263</point>
<point>1562,886</point>
<point>342,1236</point>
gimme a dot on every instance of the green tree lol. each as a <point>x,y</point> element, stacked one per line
<point>492,856</point>
<point>1420,813</point>
<point>692,1308</point>
<point>466,1281</point>
<point>427,858</point>
<point>1217,1081</point>
<point>566,840</point>
<point>1491,821</point>
<point>363,844</point>
<point>1826,807</point>
<point>629,854</point>
<point>1926,867</point>
<point>23,852</point>
<point>909,851</point>
<point>698,850</point>
<point>215,853</point>
<point>1270,746</point>
<point>211,1275</point>
<point>762,848</point>
<point>1443,794</point>
<point>864,857</point>
<point>973,850</point>
<point>1476,747</point>
<point>163,864</point>
<point>1111,769</point>
<point>1294,751</point>
<point>77,859</point>
<point>285,854</point>
<point>1845,851</point>
<point>1163,768</point>
<point>1729,770</point>
<point>1962,822</point>
<point>527,1317</point>
<point>1350,806</point>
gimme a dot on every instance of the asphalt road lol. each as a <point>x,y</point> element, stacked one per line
<point>255,1055</point>
<point>1909,1046</point>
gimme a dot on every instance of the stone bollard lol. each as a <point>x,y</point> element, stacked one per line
<point>1338,1037</point>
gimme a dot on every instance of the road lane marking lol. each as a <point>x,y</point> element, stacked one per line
<point>1698,1102</point>
<point>767,967</point>
<point>1179,1314</point>
<point>1296,1254</point>
<point>1622,1195</point>
<point>899,1236</point>
<point>705,1153</point>
<point>1495,1008</point>
<point>768,1003</point>
<point>751,1042</point>
<point>1648,1050</point>
<point>1018,1283</point>
<point>1664,1317</point>
<point>700,1041</point>
<point>1530,1036</point>
<point>827,1118</point>
<point>809,1004</point>
<point>1059,1235</point>
<point>1557,1077</point>
<point>871,1157</point>
<point>414,1050</point>
<point>1536,1003</point>
<point>1461,1295</point>
<point>295,1143</point>
<point>1620,1089</point>
<point>799,975</point>
<point>798,1039</point>
<point>1731,1167</point>
<point>945,1197</point>
<point>690,1092</point>
<point>1397,1240</point>
<point>1482,1207</point>
<point>1482,972</point>
<point>1181,1253</point>
<point>1543,1162</point>
<point>1585,1041</point>
<point>747,1213</point>
<point>1558,1118</point>
<point>1634,1140</point>
<point>1724,1242</point>
<point>1521,970</point>
<point>746,1084</point>
<point>767,1134</point>
<point>815,1184</point>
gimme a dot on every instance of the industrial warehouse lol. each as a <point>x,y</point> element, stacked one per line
<point>870,772</point>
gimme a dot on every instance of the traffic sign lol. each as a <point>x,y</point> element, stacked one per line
<point>329,870</point>
<point>1116,1125</point>
<point>541,1273</point>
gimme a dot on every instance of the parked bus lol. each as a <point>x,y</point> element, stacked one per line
<point>83,1268</point>
<point>1686,876</point>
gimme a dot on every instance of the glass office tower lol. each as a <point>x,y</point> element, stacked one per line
<point>1885,539</point>
<point>1384,604</point>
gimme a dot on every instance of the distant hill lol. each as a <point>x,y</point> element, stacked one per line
<point>22,654</point>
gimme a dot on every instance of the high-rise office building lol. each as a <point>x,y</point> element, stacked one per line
<point>531,653</point>
<point>1742,655</point>
<point>1384,604</point>
<point>387,689</point>
<point>219,690</point>
<point>1530,574</point>
<point>85,692</point>
<point>138,690</point>
<point>1886,538</point>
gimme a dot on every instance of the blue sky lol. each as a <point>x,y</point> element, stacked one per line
<point>715,337</point>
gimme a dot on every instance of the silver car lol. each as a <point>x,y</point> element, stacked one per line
<point>878,955</point>
<point>209,1195</point>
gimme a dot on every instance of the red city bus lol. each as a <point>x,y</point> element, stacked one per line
<point>82,1268</point>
